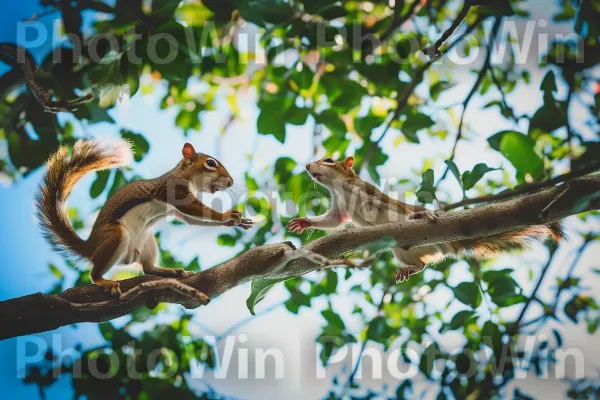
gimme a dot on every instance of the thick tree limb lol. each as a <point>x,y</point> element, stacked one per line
<point>40,312</point>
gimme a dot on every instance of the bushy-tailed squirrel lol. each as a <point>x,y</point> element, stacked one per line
<point>353,199</point>
<point>122,232</point>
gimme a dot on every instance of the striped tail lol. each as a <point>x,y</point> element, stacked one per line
<point>63,173</point>
<point>490,246</point>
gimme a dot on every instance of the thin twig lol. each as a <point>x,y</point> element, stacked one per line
<point>364,343</point>
<point>325,262</point>
<point>433,51</point>
<point>517,324</point>
<point>552,313</point>
<point>587,241</point>
<point>567,122</point>
<point>397,22</point>
<point>502,95</point>
<point>528,187</point>
<point>403,99</point>
<point>19,57</point>
<point>247,320</point>
<point>484,68</point>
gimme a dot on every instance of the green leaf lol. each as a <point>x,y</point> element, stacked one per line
<point>470,178</point>
<point>332,121</point>
<point>468,293</point>
<point>107,72</point>
<point>492,337</point>
<point>548,118</point>
<point>284,167</point>
<point>350,94</point>
<point>426,194</point>
<point>519,150</point>
<point>377,158</point>
<point>164,8</point>
<point>263,12</point>
<point>188,120</point>
<point>454,169</point>
<point>498,8</point>
<point>505,292</point>
<point>272,117</point>
<point>414,123</point>
<point>460,320</point>
<point>296,301</point>
<point>548,85</point>
<point>438,88</point>
<point>297,115</point>
<point>165,55</point>
<point>578,304</point>
<point>365,125</point>
<point>99,183</point>
<point>55,271</point>
<point>139,142</point>
<point>490,276</point>
<point>428,358</point>
<point>463,362</point>
<point>226,240</point>
<point>258,291</point>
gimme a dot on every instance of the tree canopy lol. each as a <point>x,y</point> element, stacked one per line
<point>366,78</point>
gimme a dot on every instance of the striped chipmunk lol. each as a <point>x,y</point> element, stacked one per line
<point>353,199</point>
<point>121,233</point>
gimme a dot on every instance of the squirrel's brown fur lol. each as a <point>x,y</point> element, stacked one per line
<point>63,173</point>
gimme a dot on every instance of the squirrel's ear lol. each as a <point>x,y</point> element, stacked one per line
<point>349,162</point>
<point>189,154</point>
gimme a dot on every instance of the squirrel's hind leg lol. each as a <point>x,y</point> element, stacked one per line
<point>109,251</point>
<point>404,273</point>
<point>413,264</point>
<point>149,260</point>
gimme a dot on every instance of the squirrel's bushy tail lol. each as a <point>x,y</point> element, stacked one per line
<point>490,246</point>
<point>63,172</point>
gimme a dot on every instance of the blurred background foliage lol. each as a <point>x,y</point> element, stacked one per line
<point>354,93</point>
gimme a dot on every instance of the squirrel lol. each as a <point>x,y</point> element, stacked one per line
<point>121,232</point>
<point>353,199</point>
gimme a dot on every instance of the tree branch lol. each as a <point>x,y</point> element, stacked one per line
<point>19,57</point>
<point>397,22</point>
<point>484,68</point>
<point>433,51</point>
<point>527,188</point>
<point>40,312</point>
<point>405,96</point>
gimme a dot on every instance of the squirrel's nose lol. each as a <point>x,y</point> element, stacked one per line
<point>308,167</point>
<point>229,182</point>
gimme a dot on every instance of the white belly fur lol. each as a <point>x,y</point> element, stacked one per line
<point>138,221</point>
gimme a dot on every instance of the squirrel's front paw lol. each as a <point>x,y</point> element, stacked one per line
<point>429,215</point>
<point>233,217</point>
<point>245,223</point>
<point>298,225</point>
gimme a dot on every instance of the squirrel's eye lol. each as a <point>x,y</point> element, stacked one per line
<point>211,163</point>
<point>329,160</point>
